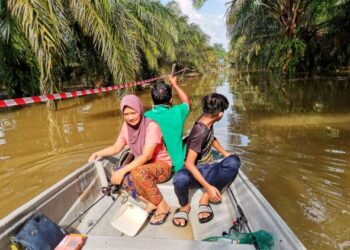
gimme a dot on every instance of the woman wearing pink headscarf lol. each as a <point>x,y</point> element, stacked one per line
<point>152,163</point>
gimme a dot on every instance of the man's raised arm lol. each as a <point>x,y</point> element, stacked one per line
<point>180,92</point>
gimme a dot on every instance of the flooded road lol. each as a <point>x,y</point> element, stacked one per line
<point>293,140</point>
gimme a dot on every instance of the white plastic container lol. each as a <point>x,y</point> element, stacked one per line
<point>129,218</point>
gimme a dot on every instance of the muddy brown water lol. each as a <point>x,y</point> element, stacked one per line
<point>293,140</point>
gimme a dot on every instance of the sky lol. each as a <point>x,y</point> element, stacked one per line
<point>211,18</point>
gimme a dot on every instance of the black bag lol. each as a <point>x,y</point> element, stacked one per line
<point>39,233</point>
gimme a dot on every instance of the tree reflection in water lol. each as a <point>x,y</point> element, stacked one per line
<point>298,152</point>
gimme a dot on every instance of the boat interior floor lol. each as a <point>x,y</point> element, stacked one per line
<point>97,225</point>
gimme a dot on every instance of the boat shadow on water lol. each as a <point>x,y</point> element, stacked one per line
<point>73,197</point>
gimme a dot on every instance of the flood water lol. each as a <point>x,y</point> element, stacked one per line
<point>293,140</point>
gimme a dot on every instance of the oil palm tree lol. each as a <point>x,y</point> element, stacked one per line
<point>285,34</point>
<point>123,35</point>
<point>157,34</point>
<point>193,49</point>
<point>118,29</point>
<point>18,67</point>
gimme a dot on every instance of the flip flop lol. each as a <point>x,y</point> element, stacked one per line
<point>205,209</point>
<point>160,222</point>
<point>180,215</point>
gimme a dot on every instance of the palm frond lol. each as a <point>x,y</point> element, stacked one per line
<point>198,3</point>
<point>119,58</point>
<point>37,20</point>
<point>157,33</point>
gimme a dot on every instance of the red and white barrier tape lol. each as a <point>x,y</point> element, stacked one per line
<point>65,95</point>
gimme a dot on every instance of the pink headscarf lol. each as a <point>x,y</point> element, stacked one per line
<point>136,134</point>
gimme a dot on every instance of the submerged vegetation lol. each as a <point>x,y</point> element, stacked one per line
<point>45,44</point>
<point>288,36</point>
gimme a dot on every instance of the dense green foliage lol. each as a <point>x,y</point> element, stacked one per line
<point>299,35</point>
<point>219,50</point>
<point>46,44</point>
<point>195,54</point>
<point>289,35</point>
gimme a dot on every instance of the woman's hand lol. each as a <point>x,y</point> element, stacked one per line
<point>117,177</point>
<point>214,194</point>
<point>94,156</point>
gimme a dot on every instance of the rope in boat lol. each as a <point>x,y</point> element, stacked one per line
<point>44,98</point>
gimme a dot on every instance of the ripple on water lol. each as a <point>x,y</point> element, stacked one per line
<point>80,127</point>
<point>322,240</point>
<point>303,177</point>
<point>301,155</point>
<point>314,210</point>
<point>67,128</point>
<point>335,170</point>
<point>230,138</point>
<point>344,245</point>
<point>335,151</point>
<point>86,108</point>
<point>2,141</point>
<point>332,191</point>
<point>8,125</point>
<point>345,212</point>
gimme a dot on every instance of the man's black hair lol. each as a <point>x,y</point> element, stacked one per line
<point>161,93</point>
<point>214,103</point>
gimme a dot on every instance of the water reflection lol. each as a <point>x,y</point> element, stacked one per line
<point>298,153</point>
<point>261,91</point>
<point>293,140</point>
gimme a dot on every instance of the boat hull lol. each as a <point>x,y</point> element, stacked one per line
<point>74,194</point>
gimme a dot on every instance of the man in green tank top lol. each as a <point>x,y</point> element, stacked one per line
<point>171,119</point>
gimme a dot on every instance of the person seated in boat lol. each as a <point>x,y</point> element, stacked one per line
<point>200,170</point>
<point>171,119</point>
<point>152,163</point>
